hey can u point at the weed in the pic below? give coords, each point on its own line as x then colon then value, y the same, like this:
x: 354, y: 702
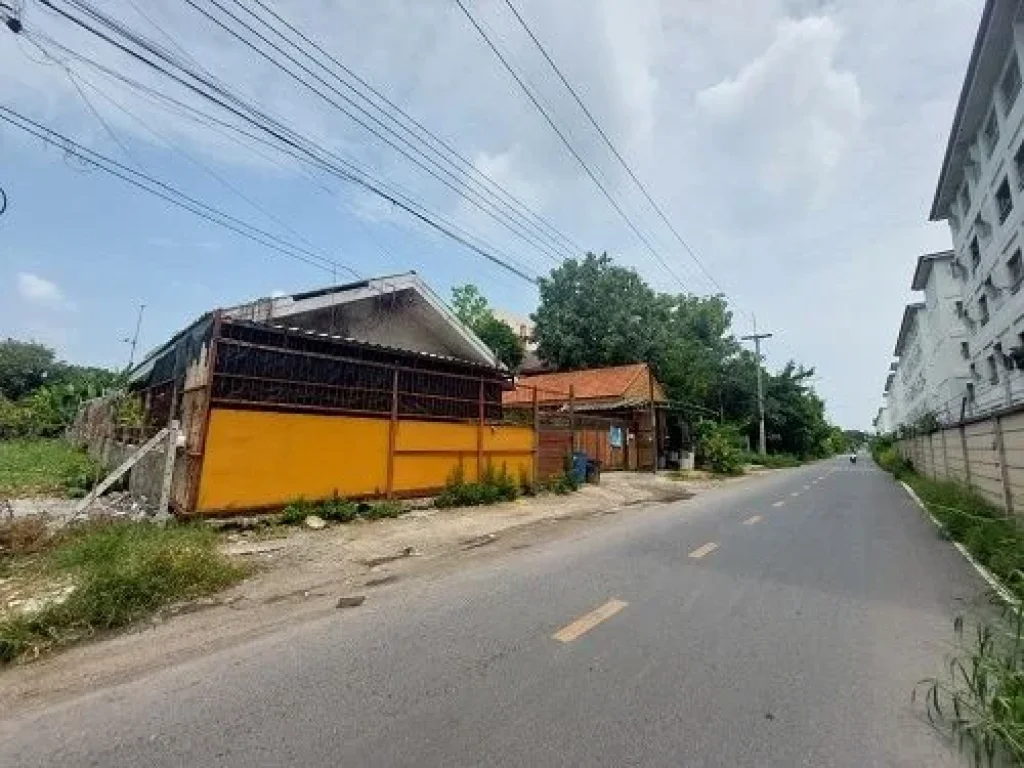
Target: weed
x: 296, y: 512
x: 23, y: 535
x: 337, y: 510
x: 381, y: 510
x: 980, y: 700
x: 122, y: 572
x: 493, y: 486
x: 37, y: 467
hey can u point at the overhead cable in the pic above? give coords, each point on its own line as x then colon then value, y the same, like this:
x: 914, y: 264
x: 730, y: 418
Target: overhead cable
x: 568, y: 145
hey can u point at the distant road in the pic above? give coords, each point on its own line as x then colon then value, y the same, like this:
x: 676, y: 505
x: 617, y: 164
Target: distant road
x: 777, y: 622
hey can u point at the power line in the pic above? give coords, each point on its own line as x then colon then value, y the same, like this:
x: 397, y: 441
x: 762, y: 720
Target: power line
x: 382, y: 132
x: 568, y: 145
x: 297, y: 146
x: 166, y: 191
x: 423, y: 130
x: 611, y: 146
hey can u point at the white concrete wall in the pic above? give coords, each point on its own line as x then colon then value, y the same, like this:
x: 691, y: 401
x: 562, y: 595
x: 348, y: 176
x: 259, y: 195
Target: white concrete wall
x: 1006, y: 307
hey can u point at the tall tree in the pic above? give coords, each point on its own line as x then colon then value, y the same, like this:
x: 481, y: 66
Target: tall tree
x: 594, y: 313
x: 471, y: 308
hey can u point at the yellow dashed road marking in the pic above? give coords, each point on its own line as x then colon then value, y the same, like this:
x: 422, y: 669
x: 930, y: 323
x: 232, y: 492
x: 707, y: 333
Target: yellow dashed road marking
x: 778, y: 503
x: 707, y: 549
x: 752, y: 520
x: 588, y: 621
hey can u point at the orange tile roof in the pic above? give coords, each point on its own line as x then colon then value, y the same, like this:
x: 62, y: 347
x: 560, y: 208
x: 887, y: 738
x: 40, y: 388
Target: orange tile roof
x: 587, y: 384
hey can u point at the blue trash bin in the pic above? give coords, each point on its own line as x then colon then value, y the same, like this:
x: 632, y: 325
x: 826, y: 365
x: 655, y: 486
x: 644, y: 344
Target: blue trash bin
x: 579, y: 466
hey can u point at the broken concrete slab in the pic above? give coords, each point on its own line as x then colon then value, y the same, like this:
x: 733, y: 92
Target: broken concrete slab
x: 315, y: 522
x: 480, y: 541
x: 351, y: 602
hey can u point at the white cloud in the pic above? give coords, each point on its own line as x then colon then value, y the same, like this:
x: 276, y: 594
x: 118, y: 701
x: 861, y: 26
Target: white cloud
x: 39, y: 291
x: 790, y: 113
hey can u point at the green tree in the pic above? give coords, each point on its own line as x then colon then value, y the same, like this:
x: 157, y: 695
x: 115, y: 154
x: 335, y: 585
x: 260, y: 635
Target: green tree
x: 24, y: 366
x: 471, y: 308
x: 593, y: 313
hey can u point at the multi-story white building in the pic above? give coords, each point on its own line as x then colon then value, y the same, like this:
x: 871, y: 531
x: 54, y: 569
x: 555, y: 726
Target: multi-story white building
x: 961, y: 351
x: 929, y: 376
x: 981, y: 195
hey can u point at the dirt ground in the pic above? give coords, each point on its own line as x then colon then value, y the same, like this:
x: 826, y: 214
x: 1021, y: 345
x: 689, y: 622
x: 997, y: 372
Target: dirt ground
x: 302, y: 574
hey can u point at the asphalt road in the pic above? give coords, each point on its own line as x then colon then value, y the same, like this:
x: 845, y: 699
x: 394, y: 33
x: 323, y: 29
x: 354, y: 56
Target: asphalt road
x: 778, y: 622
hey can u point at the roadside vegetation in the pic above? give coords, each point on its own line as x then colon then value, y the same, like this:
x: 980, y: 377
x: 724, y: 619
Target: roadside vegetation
x: 45, y: 467
x: 101, y: 576
x: 497, y: 485
x: 339, y: 510
x: 979, y: 701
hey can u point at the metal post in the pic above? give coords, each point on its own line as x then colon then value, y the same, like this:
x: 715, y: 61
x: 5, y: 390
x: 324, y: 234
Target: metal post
x: 654, y: 422
x: 1004, y: 473
x: 169, y: 462
x: 536, y: 438
x: 572, y: 414
x: 389, y: 489
x: 480, y: 434
x: 756, y: 338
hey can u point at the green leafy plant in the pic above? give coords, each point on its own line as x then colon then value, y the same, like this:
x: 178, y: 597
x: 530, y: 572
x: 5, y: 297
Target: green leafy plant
x: 296, y: 512
x: 492, y: 487
x: 718, y: 448
x: 979, y: 702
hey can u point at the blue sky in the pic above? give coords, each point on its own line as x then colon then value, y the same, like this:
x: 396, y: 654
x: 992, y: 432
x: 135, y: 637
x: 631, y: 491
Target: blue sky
x: 794, y: 143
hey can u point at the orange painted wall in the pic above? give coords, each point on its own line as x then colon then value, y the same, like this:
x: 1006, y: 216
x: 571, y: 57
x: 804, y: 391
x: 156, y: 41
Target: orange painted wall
x: 265, y: 458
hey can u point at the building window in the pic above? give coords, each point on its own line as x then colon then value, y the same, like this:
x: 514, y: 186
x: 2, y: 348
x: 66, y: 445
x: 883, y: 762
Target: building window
x: 1010, y: 85
x: 983, y: 309
x: 993, y: 370
x: 990, y: 133
x: 965, y: 350
x: 1018, y: 160
x: 970, y: 393
x: 1015, y: 270
x: 975, y: 254
x: 1004, y: 203
x: 974, y: 370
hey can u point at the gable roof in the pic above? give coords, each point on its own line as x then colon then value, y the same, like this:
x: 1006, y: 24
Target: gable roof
x: 909, y: 312
x: 993, y: 42
x: 428, y: 311
x: 621, y: 384
x: 924, y: 268
x: 432, y: 311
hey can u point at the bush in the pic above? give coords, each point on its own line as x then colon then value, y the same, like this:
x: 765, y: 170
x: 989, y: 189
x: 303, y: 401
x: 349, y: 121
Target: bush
x: 493, y: 486
x: 122, y: 572
x: 297, y: 512
x: 720, y: 452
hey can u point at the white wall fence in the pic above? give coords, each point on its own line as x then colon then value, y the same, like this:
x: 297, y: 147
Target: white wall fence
x: 985, y: 454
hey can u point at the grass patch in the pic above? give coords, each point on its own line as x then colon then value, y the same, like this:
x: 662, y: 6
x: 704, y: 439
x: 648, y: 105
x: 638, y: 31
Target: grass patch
x: 122, y: 572
x: 40, y: 467
x: 771, y: 460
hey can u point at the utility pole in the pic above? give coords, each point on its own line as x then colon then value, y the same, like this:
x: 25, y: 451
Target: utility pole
x: 756, y: 338
x: 134, y: 340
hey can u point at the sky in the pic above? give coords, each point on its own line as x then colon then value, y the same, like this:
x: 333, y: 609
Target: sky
x: 794, y: 144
